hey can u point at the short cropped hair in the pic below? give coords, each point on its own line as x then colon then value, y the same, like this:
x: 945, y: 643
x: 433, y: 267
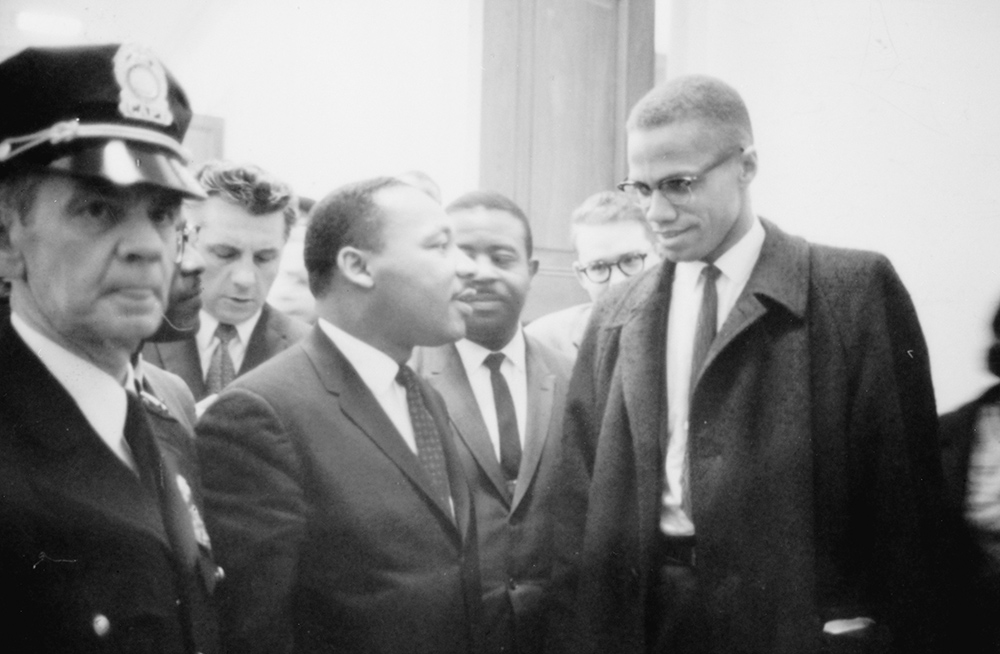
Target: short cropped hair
x: 18, y: 192
x: 250, y: 187
x: 605, y: 208
x: 694, y: 97
x: 348, y: 216
x: 496, y: 201
x: 993, y: 355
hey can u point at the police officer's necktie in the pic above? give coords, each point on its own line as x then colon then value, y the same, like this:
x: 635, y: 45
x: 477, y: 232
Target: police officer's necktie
x: 425, y: 432
x: 220, y: 368
x: 707, y: 318
x: 510, y: 443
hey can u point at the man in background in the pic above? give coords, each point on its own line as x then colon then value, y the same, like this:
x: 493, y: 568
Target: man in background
x: 242, y: 228
x: 613, y: 243
x: 335, y: 496
x: 756, y: 419
x: 505, y: 393
x: 103, y: 548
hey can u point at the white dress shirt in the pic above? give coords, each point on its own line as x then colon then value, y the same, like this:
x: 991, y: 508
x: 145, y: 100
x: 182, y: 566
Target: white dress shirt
x: 378, y: 371
x: 208, y: 341
x: 735, y: 264
x: 515, y: 373
x: 100, y: 397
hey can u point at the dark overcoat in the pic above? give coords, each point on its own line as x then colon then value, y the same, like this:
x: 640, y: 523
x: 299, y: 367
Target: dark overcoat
x: 815, y: 481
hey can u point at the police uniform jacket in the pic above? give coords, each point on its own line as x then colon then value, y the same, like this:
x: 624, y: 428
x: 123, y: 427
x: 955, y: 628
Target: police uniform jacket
x: 87, y: 563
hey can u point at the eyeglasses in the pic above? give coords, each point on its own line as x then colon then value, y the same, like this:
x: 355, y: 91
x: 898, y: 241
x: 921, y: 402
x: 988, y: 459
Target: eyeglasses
x: 187, y: 235
x: 600, y: 271
x: 678, y: 191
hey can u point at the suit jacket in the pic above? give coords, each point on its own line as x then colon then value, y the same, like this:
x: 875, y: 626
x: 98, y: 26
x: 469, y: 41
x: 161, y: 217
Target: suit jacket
x: 273, y: 333
x: 88, y: 562
x: 977, y: 577
x: 325, y: 521
x: 814, y: 477
x: 515, y: 533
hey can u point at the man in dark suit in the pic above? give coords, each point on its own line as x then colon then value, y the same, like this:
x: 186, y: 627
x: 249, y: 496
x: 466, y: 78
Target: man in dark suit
x: 756, y: 420
x: 241, y: 230
x: 506, y: 394
x: 103, y: 546
x: 335, y: 496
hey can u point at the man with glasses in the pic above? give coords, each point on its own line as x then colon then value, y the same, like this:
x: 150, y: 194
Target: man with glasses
x: 756, y: 420
x: 103, y: 546
x: 613, y: 243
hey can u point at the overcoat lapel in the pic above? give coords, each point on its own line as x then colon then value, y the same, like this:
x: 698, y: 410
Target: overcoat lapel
x: 445, y: 370
x: 642, y: 357
x: 360, y: 407
x: 779, y: 279
x: 541, y: 394
x: 264, y: 341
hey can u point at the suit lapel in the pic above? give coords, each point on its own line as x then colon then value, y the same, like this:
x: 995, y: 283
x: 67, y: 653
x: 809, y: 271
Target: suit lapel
x: 541, y: 394
x: 445, y: 371
x: 360, y: 407
x: 182, y: 359
x: 261, y: 342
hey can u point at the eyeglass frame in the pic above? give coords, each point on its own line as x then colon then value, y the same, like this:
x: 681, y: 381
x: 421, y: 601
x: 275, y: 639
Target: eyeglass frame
x: 187, y: 234
x: 643, y: 193
x: 608, y: 265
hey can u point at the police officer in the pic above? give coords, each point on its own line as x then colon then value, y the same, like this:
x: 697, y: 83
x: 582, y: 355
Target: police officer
x: 102, y: 546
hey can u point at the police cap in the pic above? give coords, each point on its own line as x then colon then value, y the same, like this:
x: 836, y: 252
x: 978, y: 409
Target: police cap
x: 110, y: 111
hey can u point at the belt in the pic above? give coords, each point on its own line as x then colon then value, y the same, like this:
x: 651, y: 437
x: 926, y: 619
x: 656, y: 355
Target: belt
x: 675, y: 550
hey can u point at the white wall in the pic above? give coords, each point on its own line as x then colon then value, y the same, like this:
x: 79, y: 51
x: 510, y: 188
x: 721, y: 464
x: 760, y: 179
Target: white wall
x: 320, y: 92
x: 878, y: 127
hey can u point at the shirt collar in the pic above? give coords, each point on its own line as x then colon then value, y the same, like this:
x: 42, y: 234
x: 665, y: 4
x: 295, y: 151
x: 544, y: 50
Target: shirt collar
x: 100, y: 397
x: 209, y: 323
x: 376, y: 368
x: 736, y: 263
x: 473, y: 354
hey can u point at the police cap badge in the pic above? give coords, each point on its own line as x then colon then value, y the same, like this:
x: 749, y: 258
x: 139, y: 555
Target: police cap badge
x: 110, y: 111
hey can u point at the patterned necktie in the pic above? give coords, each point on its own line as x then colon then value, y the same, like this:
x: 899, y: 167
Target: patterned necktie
x: 425, y: 432
x: 220, y: 369
x: 510, y: 443
x: 707, y: 319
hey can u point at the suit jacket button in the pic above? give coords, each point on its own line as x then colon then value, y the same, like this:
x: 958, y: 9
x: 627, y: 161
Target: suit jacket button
x: 220, y: 574
x: 101, y: 624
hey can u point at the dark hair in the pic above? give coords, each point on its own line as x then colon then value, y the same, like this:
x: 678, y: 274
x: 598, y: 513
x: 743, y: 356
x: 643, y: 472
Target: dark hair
x: 694, y: 97
x: 250, y: 187
x: 993, y: 355
x: 348, y: 216
x: 18, y: 191
x: 498, y: 202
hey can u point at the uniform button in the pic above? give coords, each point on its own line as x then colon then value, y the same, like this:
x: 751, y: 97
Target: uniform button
x: 101, y: 624
x: 220, y: 574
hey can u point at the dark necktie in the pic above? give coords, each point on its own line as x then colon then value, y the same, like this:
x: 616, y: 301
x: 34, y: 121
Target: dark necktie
x: 220, y: 368
x: 707, y: 318
x: 510, y: 444
x: 425, y: 432
x: 153, y: 475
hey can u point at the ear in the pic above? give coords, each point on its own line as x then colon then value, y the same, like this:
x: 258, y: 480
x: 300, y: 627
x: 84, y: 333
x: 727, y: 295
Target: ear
x: 11, y: 262
x: 353, y: 265
x: 532, y: 268
x: 748, y: 160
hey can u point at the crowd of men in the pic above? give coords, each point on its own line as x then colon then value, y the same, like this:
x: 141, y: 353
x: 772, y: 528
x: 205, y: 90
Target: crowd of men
x: 732, y: 448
